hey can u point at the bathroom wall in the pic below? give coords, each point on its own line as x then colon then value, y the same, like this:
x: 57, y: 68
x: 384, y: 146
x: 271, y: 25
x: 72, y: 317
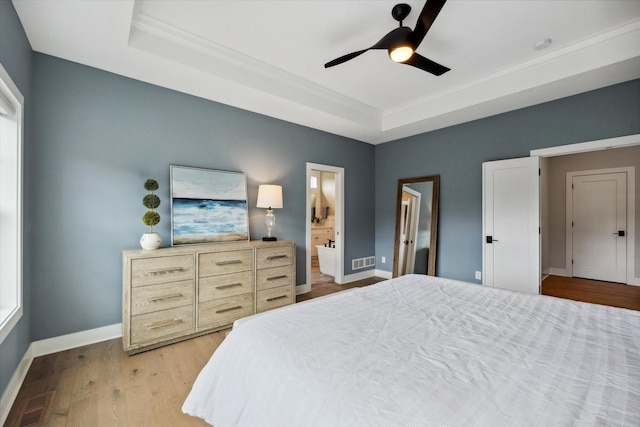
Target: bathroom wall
x: 328, y: 186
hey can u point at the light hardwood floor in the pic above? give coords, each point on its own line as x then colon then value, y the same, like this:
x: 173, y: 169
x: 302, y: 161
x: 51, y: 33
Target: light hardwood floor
x: 99, y: 385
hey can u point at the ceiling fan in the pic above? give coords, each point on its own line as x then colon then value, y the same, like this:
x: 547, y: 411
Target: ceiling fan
x: 402, y: 42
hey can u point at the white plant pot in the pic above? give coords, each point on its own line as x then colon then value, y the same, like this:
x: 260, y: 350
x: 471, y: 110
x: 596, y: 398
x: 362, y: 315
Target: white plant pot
x: 150, y: 241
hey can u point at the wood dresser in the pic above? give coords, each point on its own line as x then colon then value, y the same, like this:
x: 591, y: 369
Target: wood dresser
x: 172, y: 294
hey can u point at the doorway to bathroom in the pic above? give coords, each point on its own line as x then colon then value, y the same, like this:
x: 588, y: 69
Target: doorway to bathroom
x: 324, y: 219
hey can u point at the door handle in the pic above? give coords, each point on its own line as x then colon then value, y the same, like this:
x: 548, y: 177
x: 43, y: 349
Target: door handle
x: 490, y: 239
x: 619, y: 233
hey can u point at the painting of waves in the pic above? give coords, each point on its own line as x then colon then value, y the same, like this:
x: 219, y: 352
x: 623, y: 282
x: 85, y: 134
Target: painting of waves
x: 208, y: 206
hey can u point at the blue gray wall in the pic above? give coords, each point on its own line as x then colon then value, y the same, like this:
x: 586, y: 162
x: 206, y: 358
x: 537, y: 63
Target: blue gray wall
x: 92, y: 138
x: 97, y: 136
x: 456, y: 154
x: 15, y: 56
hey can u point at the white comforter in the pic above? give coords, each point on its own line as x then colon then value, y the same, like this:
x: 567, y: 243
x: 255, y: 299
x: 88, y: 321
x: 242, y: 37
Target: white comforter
x: 419, y: 350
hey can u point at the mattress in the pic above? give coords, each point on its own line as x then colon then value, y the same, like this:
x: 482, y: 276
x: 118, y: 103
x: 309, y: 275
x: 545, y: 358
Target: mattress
x: 420, y: 350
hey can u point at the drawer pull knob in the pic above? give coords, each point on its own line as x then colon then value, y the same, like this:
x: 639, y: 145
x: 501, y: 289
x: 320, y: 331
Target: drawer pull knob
x: 272, y: 257
x: 276, y: 278
x: 164, y: 297
x: 233, y: 285
x: 276, y: 298
x: 165, y: 323
x: 224, y: 310
x: 235, y: 261
x: 166, y: 270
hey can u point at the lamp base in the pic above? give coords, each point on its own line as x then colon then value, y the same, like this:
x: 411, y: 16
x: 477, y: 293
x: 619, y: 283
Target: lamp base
x: 270, y: 239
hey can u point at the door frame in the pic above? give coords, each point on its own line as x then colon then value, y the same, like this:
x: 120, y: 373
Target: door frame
x: 596, y: 145
x: 631, y: 212
x: 339, y: 224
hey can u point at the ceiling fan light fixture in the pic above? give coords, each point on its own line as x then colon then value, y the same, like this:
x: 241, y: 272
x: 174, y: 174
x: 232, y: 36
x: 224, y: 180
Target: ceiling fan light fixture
x: 400, y: 53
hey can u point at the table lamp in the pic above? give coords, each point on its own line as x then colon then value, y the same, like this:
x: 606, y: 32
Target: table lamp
x: 269, y: 196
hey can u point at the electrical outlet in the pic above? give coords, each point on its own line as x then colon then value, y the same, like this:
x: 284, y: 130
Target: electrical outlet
x: 383, y: 259
x: 478, y: 275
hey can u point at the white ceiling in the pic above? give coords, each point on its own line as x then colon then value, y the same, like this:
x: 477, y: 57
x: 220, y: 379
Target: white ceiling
x: 269, y: 56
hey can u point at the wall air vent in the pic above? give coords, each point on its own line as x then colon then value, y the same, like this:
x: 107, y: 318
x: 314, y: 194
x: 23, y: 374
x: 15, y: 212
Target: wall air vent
x: 357, y: 264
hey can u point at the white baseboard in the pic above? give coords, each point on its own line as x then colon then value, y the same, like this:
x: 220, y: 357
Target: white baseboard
x: 358, y: 276
x: 11, y: 392
x: 48, y: 346
x: 635, y: 281
x: 78, y: 339
x: 303, y: 289
x: 557, y: 271
x: 384, y: 274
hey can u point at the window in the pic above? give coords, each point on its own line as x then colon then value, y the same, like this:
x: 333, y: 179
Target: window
x: 11, y: 130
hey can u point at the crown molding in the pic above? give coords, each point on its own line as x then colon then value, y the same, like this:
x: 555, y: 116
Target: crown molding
x: 175, y: 44
x: 615, y: 46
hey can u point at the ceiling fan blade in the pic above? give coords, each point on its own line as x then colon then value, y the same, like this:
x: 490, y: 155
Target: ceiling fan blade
x: 426, y: 64
x: 429, y: 14
x: 344, y: 58
x: 390, y: 39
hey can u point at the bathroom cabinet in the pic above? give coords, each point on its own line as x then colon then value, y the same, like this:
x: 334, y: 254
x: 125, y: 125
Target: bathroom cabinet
x: 176, y: 293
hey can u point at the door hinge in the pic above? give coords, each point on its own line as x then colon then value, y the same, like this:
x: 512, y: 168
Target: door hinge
x: 572, y: 223
x: 572, y: 186
x: 539, y: 172
x: 539, y: 230
x: 571, y: 262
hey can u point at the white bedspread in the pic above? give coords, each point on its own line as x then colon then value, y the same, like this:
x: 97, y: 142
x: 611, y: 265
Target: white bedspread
x: 419, y: 350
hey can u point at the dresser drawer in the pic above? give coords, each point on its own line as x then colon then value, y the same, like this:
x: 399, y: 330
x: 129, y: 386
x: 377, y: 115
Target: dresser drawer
x: 226, y: 285
x: 268, y: 278
x: 214, y: 263
x: 156, y: 270
x: 274, y: 256
x: 274, y: 298
x: 223, y: 312
x: 161, y: 324
x: 146, y: 299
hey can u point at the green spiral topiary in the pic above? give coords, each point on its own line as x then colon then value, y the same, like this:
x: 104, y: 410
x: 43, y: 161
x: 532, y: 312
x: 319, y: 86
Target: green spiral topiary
x: 151, y: 202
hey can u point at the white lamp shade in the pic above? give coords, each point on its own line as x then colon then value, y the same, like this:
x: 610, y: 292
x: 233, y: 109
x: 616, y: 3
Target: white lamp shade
x: 269, y: 196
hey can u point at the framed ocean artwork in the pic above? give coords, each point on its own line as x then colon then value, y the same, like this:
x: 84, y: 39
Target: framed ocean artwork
x: 208, y: 206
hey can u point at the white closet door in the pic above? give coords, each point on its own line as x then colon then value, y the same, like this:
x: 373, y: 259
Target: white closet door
x: 599, y: 224
x: 511, y: 221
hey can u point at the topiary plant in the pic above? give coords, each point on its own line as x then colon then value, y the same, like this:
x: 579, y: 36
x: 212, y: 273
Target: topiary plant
x: 151, y: 202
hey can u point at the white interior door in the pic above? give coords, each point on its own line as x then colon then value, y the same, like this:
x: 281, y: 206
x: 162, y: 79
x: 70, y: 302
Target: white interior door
x: 511, y: 224
x: 599, y: 222
x: 402, y: 248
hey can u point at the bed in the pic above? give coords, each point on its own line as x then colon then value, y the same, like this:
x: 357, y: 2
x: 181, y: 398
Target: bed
x: 421, y: 350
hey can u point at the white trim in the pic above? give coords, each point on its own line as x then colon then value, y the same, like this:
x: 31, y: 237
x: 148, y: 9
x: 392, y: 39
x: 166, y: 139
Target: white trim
x: 631, y: 216
x: 78, y: 339
x: 383, y: 274
x: 553, y: 271
x: 339, y: 219
x: 583, y: 147
x: 11, y: 392
x: 303, y: 289
x: 11, y: 247
x: 354, y: 277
